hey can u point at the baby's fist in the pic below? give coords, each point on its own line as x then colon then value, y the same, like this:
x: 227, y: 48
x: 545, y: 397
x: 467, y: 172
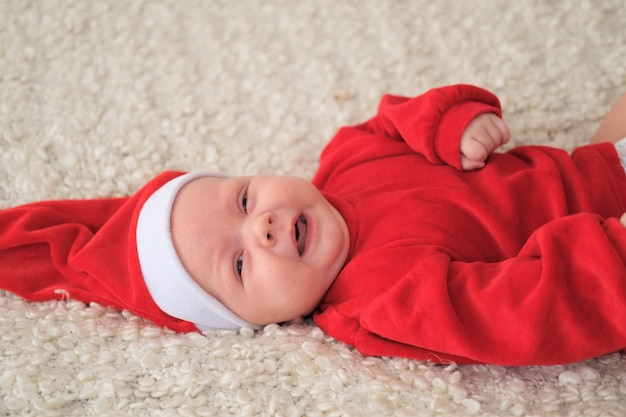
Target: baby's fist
x: 483, y: 135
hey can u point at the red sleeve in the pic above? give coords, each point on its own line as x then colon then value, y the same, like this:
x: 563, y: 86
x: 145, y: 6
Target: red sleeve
x: 562, y: 299
x: 432, y: 123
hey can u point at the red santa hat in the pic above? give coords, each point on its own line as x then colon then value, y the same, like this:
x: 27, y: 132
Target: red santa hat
x: 117, y: 252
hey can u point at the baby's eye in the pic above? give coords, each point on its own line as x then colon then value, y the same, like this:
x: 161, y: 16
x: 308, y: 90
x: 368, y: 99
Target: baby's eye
x: 239, y: 265
x: 244, y: 202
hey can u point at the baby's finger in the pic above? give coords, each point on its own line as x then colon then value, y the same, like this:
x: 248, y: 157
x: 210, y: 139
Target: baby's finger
x: 469, y: 165
x: 474, y: 148
x: 495, y: 133
x: 504, y: 132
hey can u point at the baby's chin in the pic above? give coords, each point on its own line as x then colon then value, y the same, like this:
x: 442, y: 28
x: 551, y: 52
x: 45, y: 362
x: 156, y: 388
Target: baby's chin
x: 297, y: 320
x: 283, y: 318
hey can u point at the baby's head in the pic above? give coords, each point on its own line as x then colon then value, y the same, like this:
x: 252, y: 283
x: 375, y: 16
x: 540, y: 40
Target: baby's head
x: 265, y: 247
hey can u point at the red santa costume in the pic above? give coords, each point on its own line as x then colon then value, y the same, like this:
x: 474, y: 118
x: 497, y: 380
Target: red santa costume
x: 117, y: 252
x: 519, y: 263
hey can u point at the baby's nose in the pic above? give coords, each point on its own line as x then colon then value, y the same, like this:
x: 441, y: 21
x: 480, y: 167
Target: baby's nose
x: 264, y: 229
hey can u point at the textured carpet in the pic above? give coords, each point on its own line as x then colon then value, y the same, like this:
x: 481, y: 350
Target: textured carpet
x: 97, y: 97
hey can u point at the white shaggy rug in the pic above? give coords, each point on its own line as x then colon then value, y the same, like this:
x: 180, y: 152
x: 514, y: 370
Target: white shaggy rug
x: 96, y: 97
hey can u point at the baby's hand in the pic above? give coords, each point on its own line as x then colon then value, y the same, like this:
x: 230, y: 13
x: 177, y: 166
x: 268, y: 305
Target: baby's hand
x: 482, y: 136
x: 622, y: 220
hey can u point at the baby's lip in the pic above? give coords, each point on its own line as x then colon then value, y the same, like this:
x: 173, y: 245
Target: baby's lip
x: 301, y: 231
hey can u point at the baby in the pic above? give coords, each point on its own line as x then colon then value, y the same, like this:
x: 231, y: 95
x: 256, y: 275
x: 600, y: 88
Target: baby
x: 414, y: 239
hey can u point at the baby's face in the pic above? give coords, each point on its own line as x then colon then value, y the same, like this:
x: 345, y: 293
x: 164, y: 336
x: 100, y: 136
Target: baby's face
x: 267, y: 247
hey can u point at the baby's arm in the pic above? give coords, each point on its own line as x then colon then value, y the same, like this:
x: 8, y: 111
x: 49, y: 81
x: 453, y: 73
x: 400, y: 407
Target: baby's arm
x: 432, y: 123
x: 481, y: 138
x: 539, y: 307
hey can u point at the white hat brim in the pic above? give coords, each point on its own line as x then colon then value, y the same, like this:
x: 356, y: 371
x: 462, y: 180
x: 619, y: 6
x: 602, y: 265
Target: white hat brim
x: 169, y: 283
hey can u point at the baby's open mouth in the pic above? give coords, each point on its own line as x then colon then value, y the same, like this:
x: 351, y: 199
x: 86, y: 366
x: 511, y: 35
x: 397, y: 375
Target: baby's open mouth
x: 301, y: 232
